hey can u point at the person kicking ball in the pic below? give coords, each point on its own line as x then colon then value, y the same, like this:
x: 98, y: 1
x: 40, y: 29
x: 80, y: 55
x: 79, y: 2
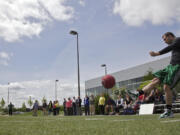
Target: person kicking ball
x: 166, y: 75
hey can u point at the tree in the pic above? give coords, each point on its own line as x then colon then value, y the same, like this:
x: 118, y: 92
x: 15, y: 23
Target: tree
x: 2, y: 102
x: 23, y: 106
x: 118, y: 91
x: 44, y: 100
x: 30, y: 102
x: 148, y: 76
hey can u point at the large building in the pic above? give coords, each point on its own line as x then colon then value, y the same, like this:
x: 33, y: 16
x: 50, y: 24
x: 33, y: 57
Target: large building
x: 129, y: 78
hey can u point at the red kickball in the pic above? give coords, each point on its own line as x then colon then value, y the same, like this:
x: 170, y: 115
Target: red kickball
x: 108, y: 81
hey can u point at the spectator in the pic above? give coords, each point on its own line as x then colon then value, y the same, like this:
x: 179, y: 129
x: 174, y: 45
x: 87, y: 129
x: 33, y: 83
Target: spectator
x: 44, y: 107
x: 35, y: 108
x: 78, y: 106
x: 69, y: 106
x: 151, y: 97
x: 92, y: 105
x: 128, y: 105
x: 110, y: 105
x: 74, y: 106
x: 101, y: 104
x: 64, y: 107
x: 54, y: 108
x: 86, y: 105
x: 140, y: 99
x: 57, y: 107
x: 50, y: 107
x: 119, y: 104
x: 158, y: 96
x: 10, y: 109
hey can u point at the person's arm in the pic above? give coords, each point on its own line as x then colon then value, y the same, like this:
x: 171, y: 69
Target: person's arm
x: 175, y: 44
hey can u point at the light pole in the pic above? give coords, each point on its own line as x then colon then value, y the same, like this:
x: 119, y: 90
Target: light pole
x: 8, y: 94
x: 56, y: 89
x: 76, y: 33
x: 105, y: 67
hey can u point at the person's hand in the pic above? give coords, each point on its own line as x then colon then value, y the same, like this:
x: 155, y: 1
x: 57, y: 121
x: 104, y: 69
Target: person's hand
x: 153, y: 53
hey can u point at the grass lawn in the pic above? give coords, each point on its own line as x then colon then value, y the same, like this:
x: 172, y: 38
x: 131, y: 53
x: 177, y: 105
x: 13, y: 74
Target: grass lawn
x: 91, y: 125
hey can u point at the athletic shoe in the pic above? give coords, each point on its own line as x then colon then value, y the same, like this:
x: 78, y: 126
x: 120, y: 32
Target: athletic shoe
x: 167, y: 114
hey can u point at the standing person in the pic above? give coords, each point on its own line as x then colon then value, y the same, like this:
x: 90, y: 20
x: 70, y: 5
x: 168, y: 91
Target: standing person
x: 50, y: 107
x: 78, y: 106
x: 69, y: 106
x: 57, y: 107
x: 74, y: 105
x: 64, y: 107
x: 101, y: 104
x: 35, y: 108
x: 92, y: 105
x: 86, y: 105
x: 44, y: 107
x: 10, y: 109
x: 54, y: 108
x: 166, y: 75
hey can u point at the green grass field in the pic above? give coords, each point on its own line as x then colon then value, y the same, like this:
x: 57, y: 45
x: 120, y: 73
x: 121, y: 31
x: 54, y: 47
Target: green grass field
x: 91, y: 125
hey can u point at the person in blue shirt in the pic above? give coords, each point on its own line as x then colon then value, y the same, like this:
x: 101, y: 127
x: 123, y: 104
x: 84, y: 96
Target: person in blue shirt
x: 86, y: 105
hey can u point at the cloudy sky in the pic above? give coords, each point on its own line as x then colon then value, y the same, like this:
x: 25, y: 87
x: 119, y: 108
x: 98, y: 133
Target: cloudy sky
x: 36, y: 47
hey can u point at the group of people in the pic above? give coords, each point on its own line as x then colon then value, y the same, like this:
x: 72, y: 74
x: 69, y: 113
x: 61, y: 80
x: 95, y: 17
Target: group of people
x: 73, y: 106
x: 48, y: 109
x: 127, y: 105
x: 106, y: 106
x: 155, y: 96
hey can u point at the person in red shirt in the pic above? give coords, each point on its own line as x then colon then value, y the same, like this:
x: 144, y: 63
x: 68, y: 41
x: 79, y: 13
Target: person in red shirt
x: 69, y: 106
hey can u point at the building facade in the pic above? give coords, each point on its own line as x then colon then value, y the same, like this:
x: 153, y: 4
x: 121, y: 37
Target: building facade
x: 129, y: 78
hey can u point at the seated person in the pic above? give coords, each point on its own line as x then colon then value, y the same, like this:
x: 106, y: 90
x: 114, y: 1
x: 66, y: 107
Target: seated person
x: 158, y: 97
x: 119, y: 104
x: 110, y: 105
x: 128, y: 105
x: 140, y: 99
x: 151, y: 97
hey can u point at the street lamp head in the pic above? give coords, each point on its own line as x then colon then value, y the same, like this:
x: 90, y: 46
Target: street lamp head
x: 73, y: 32
x: 57, y: 80
x: 103, y: 65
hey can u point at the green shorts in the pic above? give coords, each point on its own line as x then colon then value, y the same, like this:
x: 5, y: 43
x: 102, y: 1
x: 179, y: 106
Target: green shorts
x: 167, y: 74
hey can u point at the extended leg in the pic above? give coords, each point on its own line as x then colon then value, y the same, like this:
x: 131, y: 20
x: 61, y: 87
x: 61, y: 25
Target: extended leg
x: 151, y: 85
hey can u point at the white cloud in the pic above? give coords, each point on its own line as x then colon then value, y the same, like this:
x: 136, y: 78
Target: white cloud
x: 82, y: 2
x: 136, y: 12
x: 20, y: 18
x: 37, y: 89
x: 4, y: 58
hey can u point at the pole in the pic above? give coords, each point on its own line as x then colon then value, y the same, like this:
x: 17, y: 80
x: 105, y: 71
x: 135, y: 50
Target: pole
x: 8, y: 94
x: 56, y: 89
x: 78, y: 66
x: 105, y: 70
x: 76, y: 33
